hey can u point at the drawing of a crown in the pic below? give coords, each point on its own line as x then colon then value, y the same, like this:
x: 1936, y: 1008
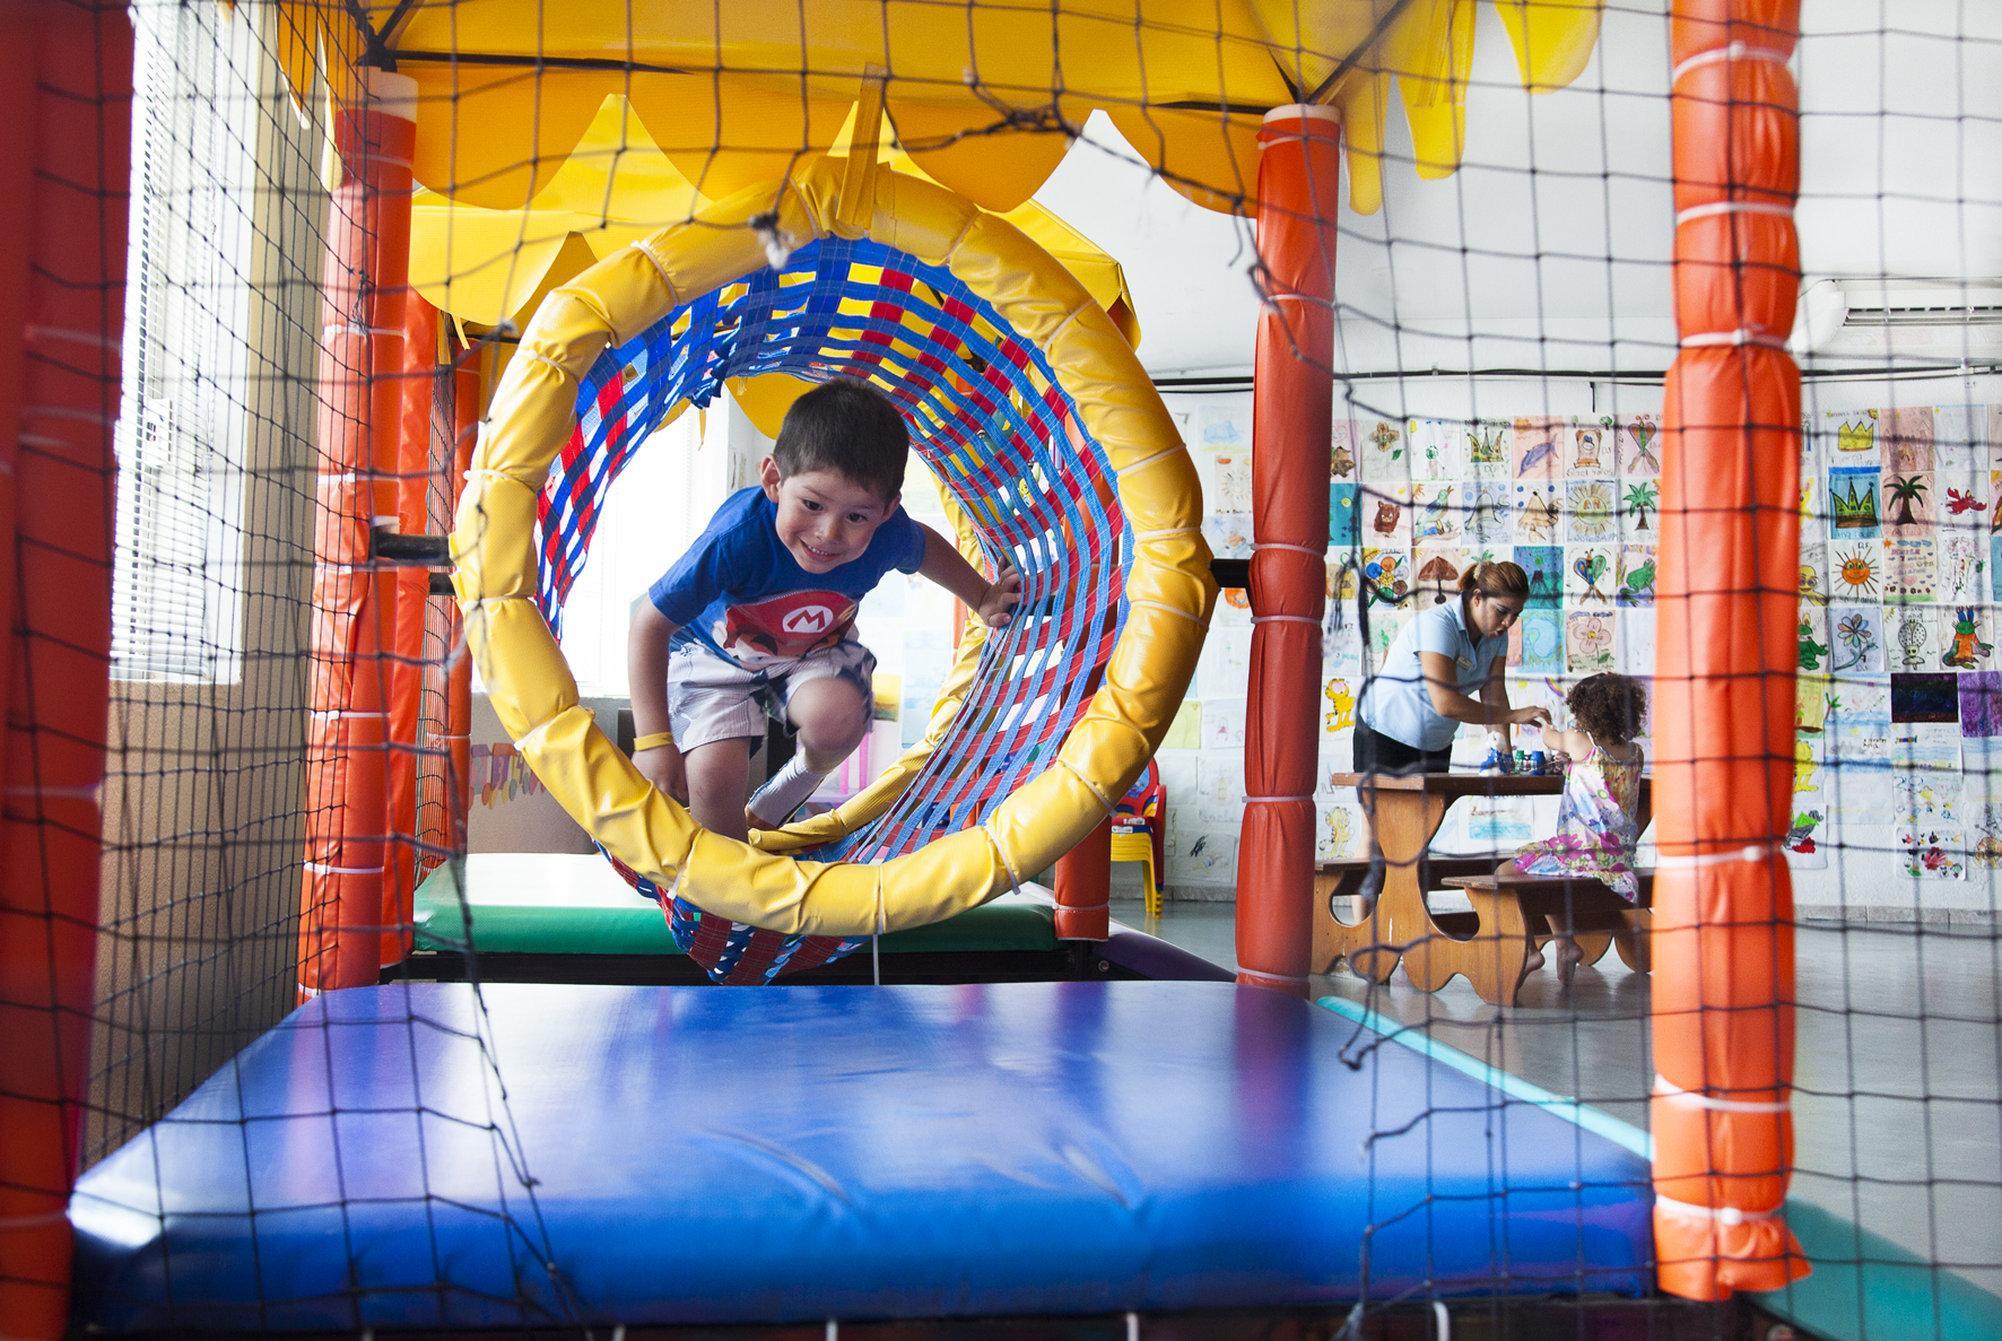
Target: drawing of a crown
x: 1854, y: 511
x: 1860, y: 436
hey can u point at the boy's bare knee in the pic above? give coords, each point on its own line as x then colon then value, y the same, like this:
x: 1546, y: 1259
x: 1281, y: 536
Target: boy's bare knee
x: 830, y: 715
x: 719, y: 782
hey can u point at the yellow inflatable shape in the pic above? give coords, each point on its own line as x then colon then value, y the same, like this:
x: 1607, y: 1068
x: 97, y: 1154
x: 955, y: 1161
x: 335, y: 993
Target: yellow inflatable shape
x: 985, y: 94
x: 1169, y: 587
x: 488, y: 266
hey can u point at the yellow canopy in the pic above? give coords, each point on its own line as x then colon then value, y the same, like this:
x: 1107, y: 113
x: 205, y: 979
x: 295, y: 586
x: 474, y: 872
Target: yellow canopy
x: 489, y: 266
x: 985, y: 94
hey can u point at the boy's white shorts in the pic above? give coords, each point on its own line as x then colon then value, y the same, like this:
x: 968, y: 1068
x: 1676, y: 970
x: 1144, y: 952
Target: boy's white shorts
x: 710, y: 698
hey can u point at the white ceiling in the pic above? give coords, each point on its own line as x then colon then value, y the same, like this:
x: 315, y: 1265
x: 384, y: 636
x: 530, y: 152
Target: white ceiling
x: 1566, y: 266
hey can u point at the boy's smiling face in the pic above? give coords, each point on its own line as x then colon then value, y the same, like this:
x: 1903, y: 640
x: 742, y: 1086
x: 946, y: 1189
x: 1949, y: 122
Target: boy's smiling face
x: 824, y: 518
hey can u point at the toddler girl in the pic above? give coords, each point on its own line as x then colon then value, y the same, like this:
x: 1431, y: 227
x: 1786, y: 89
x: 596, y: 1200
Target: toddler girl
x: 1596, y: 828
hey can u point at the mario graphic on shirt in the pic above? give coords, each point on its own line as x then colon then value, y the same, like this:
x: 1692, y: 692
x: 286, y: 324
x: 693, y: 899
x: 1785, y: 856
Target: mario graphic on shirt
x: 785, y: 627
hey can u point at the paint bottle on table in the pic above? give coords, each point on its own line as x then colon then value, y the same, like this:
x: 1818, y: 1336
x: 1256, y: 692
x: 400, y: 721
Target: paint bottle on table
x: 1539, y: 763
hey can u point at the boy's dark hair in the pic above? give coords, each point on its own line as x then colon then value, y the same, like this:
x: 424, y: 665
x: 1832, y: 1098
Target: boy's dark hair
x: 1611, y: 708
x: 846, y: 426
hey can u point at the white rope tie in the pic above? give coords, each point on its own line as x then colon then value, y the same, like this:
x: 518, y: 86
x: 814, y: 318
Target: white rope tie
x: 1273, y: 800
x: 73, y: 335
x: 1286, y: 619
x: 334, y: 328
x: 524, y: 352
x: 1667, y: 1089
x: 1107, y: 802
x: 8, y: 1222
x: 335, y: 714
x: 1308, y: 550
x: 1765, y: 207
x: 1726, y: 1215
x: 1735, y: 51
x: 322, y: 868
x: 1147, y: 461
x: 1166, y: 608
x: 84, y: 792
x: 1691, y: 861
x: 69, y: 412
x: 1014, y: 876
x: 1744, y: 335
x: 673, y: 294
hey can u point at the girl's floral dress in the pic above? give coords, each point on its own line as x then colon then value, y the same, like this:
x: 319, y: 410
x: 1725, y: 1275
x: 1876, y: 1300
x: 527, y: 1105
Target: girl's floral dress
x: 1595, y: 826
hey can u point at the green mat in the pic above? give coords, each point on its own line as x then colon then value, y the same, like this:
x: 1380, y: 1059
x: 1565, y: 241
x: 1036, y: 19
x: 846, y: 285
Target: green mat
x: 569, y: 904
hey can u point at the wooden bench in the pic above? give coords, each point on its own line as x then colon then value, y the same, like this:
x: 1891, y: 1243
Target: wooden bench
x: 1343, y: 879
x: 1514, y: 913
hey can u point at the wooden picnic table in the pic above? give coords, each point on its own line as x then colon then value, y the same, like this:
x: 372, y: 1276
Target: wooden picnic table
x: 1404, y: 812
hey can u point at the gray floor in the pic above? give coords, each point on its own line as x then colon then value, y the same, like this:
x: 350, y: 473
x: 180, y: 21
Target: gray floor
x: 1897, y: 1107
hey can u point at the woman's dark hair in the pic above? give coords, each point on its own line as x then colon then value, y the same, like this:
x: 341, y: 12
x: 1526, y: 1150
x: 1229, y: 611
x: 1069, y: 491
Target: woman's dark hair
x: 1610, y: 708
x: 849, y: 427
x: 1497, y: 578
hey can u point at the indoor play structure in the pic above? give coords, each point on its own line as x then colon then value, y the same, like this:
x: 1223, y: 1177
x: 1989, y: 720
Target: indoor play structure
x: 397, y: 1154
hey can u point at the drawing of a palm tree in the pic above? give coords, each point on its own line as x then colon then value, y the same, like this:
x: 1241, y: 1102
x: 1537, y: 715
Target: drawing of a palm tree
x: 1906, y: 492
x: 1643, y: 499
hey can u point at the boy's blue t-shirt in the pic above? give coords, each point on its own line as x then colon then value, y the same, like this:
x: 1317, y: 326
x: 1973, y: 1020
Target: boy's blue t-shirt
x: 739, y: 592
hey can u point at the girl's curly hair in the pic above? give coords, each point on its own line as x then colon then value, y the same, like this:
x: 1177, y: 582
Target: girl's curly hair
x: 1612, y: 708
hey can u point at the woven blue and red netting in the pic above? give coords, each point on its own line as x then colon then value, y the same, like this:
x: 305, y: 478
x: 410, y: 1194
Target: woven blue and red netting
x: 987, y: 416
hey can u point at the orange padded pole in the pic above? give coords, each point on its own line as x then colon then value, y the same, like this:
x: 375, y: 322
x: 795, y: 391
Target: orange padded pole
x: 1726, y: 653
x: 1291, y: 411
x: 1084, y: 887
x: 410, y: 588
x: 467, y: 390
x: 360, y: 390
x: 65, y: 181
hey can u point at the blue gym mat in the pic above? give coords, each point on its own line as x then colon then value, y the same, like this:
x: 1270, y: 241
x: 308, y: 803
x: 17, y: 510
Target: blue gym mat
x: 694, y: 1154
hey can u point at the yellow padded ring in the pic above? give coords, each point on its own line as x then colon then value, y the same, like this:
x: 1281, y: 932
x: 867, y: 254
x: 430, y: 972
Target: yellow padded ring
x: 535, y: 696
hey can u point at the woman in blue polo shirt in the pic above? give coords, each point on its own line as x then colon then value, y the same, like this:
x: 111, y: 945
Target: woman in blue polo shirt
x: 1427, y: 684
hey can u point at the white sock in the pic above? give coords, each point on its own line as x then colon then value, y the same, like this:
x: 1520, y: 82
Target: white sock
x: 784, y: 792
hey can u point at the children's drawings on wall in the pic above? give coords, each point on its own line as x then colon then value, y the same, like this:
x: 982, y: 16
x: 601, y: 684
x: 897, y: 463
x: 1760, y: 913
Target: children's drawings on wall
x: 1489, y: 443
x: 1539, y: 512
x: 1538, y: 449
x: 500, y: 774
x: 1340, y: 835
x: 1588, y: 507
x: 1220, y: 787
x: 1981, y: 704
x: 1849, y: 437
x: 1439, y: 568
x: 1963, y: 568
x: 1905, y: 435
x: 1537, y: 647
x: 1804, y: 848
x: 1202, y: 856
x: 1588, y: 641
x: 1639, y: 453
x: 1911, y: 571
x: 1438, y: 449
x: 1339, y: 702
x: 1228, y: 534
x: 1965, y: 634
x: 1342, y: 455
x: 1899, y: 575
x: 1857, y: 632
x: 1853, y: 513
x: 1909, y: 513
x: 1589, y: 574
x: 1932, y: 852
